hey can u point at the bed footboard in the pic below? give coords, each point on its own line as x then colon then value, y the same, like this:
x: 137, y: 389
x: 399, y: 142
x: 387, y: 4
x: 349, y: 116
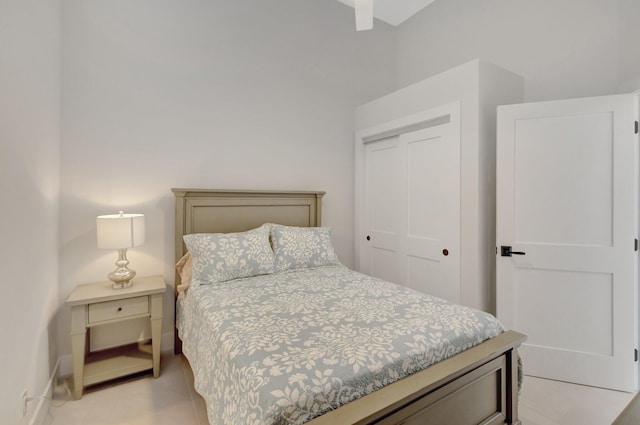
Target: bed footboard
x: 477, y: 386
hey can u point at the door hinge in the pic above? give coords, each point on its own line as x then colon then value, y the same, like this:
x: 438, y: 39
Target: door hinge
x: 635, y: 355
x: 635, y: 244
x: 636, y: 127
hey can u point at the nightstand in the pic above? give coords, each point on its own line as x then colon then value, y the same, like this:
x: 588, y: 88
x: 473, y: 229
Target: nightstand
x: 96, y: 304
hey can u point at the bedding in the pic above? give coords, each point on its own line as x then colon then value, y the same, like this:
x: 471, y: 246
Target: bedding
x: 220, y: 257
x: 184, y: 267
x: 287, y: 347
x: 302, y: 247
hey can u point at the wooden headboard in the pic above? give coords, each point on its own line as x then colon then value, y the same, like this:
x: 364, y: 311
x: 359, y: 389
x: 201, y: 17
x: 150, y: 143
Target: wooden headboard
x: 224, y: 211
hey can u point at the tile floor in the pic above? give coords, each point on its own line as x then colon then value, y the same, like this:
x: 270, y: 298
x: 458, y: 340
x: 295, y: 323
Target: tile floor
x: 171, y: 399
x: 140, y: 400
x: 546, y: 402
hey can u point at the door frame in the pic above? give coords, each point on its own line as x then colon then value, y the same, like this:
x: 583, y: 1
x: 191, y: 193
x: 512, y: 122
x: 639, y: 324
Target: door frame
x: 379, y: 132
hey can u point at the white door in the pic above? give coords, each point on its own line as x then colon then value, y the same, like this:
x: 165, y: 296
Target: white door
x: 412, y: 209
x: 567, y: 197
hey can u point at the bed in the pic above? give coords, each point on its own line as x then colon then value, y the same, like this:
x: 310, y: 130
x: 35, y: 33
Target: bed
x: 476, y: 385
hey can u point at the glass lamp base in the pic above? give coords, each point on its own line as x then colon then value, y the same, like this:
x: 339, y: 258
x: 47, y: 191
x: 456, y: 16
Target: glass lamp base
x: 121, y: 277
x: 121, y: 285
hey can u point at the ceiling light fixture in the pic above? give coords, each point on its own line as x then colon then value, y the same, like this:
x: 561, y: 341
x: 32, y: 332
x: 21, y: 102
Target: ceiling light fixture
x: 364, y: 14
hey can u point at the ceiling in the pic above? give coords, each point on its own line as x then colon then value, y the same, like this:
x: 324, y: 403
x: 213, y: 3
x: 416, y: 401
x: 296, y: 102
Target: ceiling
x: 394, y: 12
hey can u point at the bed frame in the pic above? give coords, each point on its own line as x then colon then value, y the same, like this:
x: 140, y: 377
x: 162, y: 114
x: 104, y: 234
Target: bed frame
x: 477, y: 386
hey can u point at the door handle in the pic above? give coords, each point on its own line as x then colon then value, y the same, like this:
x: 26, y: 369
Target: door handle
x: 505, y: 251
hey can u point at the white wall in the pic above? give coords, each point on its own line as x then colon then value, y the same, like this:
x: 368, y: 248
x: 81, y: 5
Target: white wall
x: 160, y: 94
x: 563, y: 49
x: 29, y: 183
x: 478, y: 87
x: 236, y: 94
x: 629, y: 33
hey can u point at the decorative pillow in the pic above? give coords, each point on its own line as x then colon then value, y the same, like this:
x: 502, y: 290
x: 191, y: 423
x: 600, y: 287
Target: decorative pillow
x: 219, y: 257
x: 184, y: 266
x: 302, y: 247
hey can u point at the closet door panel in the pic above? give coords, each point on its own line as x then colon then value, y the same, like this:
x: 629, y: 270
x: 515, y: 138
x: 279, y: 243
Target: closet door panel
x: 433, y: 219
x: 383, y: 178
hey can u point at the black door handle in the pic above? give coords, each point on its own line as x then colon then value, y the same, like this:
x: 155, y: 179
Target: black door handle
x: 505, y: 251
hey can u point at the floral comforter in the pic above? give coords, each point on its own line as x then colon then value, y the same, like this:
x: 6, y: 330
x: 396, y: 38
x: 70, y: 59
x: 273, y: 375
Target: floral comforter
x: 288, y: 347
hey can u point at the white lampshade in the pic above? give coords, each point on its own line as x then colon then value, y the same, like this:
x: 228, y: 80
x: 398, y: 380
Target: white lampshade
x: 118, y: 231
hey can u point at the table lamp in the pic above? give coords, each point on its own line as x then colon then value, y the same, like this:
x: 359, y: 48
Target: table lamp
x: 120, y: 231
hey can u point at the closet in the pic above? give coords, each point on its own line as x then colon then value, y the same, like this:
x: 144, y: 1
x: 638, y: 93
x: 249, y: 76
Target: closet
x: 425, y: 183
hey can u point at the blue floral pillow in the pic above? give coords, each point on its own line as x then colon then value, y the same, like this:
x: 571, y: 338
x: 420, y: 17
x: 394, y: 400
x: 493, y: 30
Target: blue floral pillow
x: 220, y: 257
x: 302, y: 247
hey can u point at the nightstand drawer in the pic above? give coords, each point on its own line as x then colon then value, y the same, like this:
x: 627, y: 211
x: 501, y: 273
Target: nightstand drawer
x: 118, y: 309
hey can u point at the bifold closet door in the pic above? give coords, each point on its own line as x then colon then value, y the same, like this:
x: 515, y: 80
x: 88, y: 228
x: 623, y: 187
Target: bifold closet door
x: 412, y: 210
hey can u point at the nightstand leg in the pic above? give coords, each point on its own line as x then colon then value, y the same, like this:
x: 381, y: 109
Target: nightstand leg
x: 156, y: 342
x: 156, y: 331
x: 78, y: 342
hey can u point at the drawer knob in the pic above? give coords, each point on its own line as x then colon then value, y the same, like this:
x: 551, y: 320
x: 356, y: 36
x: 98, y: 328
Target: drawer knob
x: 119, y: 309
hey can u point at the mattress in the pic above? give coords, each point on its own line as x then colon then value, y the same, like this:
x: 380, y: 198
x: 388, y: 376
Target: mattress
x: 287, y: 347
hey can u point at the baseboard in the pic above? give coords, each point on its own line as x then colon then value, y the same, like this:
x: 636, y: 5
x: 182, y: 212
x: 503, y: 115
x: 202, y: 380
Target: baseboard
x: 44, y: 400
